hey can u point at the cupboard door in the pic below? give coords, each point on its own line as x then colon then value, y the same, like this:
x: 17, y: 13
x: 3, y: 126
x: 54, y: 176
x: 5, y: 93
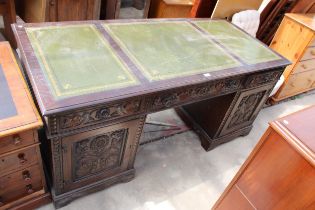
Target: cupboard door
x: 99, y: 154
x: 246, y: 109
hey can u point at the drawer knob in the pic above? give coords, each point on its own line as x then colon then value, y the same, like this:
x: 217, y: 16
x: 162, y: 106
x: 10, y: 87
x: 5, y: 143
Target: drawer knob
x: 304, y: 66
x: 1, y: 201
x: 29, y: 189
x: 26, y: 176
x: 52, y: 3
x: 312, y: 52
x: 17, y: 139
x: 21, y: 157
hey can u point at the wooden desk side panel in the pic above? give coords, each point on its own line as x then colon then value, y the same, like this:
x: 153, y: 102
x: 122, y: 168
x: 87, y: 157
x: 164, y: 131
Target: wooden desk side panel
x: 247, y: 162
x: 275, y: 176
x: 279, y: 177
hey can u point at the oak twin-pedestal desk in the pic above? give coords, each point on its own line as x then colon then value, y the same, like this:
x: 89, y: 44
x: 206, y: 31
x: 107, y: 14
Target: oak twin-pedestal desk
x: 95, y: 82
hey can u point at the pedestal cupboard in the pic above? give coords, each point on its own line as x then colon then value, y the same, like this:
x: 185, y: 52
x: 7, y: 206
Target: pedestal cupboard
x: 295, y: 39
x: 22, y: 180
x: 97, y: 83
x: 280, y: 172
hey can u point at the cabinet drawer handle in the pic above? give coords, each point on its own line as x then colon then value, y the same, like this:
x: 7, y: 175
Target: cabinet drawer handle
x: 26, y: 176
x: 1, y: 201
x: 312, y: 52
x: 29, y: 189
x: 304, y: 66
x: 17, y: 139
x: 22, y: 158
x: 52, y: 3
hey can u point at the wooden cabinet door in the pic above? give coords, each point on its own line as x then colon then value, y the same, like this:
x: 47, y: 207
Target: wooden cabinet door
x: 71, y: 10
x: 98, y: 154
x: 246, y: 109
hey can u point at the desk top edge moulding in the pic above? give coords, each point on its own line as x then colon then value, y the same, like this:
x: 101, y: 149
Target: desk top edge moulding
x: 138, y: 71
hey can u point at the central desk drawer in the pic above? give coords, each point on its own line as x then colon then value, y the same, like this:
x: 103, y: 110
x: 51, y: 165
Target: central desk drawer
x: 19, y: 184
x: 17, y: 141
x: 16, y: 160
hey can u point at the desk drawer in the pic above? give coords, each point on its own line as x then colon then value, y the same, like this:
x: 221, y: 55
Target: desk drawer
x: 19, y: 184
x: 298, y: 83
x: 309, y: 54
x: 304, y: 66
x: 17, y: 141
x: 19, y: 159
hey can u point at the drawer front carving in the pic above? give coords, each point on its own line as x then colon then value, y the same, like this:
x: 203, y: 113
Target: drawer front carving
x: 19, y: 184
x: 180, y: 96
x: 262, y: 79
x: 298, y: 83
x: 309, y: 54
x: 17, y: 160
x: 304, y: 66
x: 99, y: 153
x: 91, y: 116
x: 17, y: 141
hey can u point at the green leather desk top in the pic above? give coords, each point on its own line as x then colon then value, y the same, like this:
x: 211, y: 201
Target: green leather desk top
x: 76, y: 60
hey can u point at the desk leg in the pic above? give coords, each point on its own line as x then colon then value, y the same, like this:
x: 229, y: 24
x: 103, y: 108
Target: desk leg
x: 222, y: 119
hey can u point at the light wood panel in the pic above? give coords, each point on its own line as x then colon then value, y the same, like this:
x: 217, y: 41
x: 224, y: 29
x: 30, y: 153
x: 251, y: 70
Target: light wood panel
x: 170, y: 8
x: 279, y: 173
x: 294, y: 39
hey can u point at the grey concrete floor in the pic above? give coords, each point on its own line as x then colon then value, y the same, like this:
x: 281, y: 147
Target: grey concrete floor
x: 177, y: 174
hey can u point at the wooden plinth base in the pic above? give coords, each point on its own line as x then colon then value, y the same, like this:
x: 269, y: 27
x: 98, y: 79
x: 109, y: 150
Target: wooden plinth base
x: 66, y: 198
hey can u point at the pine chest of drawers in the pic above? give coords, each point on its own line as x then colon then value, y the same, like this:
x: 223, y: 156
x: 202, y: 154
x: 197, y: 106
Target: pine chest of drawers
x: 295, y: 39
x: 22, y: 181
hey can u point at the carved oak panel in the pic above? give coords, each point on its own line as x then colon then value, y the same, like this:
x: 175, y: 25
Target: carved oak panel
x: 245, y: 109
x: 262, y: 78
x: 92, y: 116
x: 182, y: 95
x: 99, y: 153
